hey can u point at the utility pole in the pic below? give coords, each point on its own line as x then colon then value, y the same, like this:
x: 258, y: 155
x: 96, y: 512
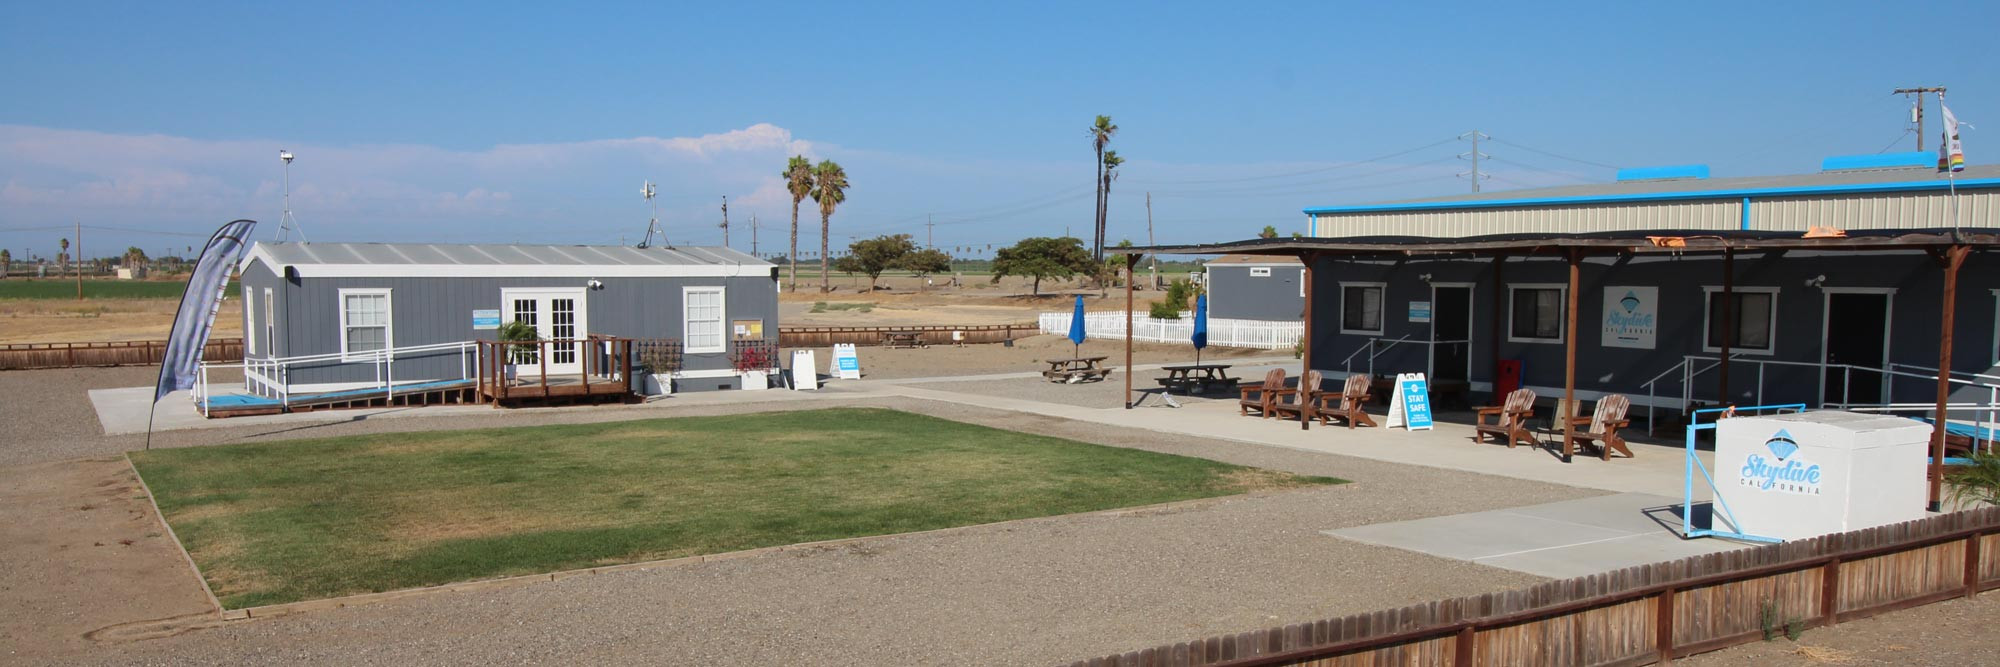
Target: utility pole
x: 725, y: 220
x: 928, y: 226
x: 1474, y: 155
x: 753, y: 235
x: 1154, y: 281
x: 1917, y: 112
x: 79, y: 254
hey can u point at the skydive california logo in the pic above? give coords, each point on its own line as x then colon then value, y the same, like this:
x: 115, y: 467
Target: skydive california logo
x: 1787, y: 474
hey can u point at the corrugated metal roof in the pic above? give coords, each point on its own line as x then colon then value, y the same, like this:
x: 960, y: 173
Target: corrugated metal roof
x: 1834, y: 182
x: 1251, y: 259
x: 435, y: 254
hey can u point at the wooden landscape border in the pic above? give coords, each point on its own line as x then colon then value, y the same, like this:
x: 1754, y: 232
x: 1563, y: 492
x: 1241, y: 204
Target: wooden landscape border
x: 1641, y: 615
x: 26, y: 356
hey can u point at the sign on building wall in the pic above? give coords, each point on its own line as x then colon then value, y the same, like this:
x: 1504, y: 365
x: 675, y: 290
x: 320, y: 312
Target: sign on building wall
x: 1631, y: 317
x: 485, y: 319
x: 1420, y: 311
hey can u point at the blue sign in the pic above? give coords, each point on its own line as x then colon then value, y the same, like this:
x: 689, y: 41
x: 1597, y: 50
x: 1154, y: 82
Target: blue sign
x: 1420, y: 311
x: 485, y: 319
x: 1416, y: 402
x: 850, y: 364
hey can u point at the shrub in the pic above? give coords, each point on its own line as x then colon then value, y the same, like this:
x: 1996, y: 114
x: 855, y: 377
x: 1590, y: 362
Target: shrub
x: 1165, y: 310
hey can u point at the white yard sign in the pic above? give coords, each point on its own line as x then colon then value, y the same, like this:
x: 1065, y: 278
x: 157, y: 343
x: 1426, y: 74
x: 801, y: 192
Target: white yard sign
x: 846, y: 362
x: 1631, y: 317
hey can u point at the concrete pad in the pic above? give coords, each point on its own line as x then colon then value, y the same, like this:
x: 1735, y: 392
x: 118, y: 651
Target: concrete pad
x: 1559, y: 540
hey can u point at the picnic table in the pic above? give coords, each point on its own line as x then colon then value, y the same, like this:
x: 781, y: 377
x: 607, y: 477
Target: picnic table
x: 1080, y: 369
x: 1197, y: 378
x: 903, y: 339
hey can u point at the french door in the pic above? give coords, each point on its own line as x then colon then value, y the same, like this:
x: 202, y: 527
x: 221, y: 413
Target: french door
x: 556, y: 314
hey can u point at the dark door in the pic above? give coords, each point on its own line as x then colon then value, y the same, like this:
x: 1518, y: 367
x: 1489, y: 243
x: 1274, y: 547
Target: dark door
x: 1451, y: 320
x: 1857, y: 330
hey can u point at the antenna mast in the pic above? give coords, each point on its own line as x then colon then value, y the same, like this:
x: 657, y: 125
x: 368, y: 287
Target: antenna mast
x: 286, y: 224
x: 652, y: 225
x: 725, y: 221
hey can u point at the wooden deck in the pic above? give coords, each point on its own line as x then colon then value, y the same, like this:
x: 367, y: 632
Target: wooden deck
x: 554, y: 390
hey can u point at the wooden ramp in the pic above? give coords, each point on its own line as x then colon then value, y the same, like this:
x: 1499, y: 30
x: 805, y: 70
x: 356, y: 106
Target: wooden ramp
x: 442, y: 392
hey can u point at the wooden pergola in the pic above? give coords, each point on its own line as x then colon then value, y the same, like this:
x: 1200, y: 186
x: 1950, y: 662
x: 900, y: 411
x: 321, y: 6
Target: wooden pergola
x: 1949, y: 247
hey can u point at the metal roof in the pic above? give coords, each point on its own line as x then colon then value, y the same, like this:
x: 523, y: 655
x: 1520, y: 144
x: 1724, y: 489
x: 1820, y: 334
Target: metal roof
x: 455, y: 260
x: 1654, y: 241
x: 1824, y: 183
x: 1249, y: 260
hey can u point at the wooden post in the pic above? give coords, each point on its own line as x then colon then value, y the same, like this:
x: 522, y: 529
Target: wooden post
x: 1464, y: 644
x: 1663, y: 626
x: 1131, y: 261
x: 1306, y: 345
x: 626, y: 362
x: 1829, y: 593
x: 1953, y: 259
x: 1569, y: 353
x: 583, y: 350
x: 1500, y: 309
x: 1972, y: 564
x: 1728, y: 325
x: 542, y: 357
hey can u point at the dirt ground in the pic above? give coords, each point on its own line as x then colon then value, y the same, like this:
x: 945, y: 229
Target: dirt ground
x: 1954, y: 633
x: 101, y: 320
x: 1027, y: 355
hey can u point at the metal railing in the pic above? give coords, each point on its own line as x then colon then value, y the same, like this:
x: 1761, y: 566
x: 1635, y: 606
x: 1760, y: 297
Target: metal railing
x: 1374, y: 348
x: 271, y: 377
x: 1694, y: 366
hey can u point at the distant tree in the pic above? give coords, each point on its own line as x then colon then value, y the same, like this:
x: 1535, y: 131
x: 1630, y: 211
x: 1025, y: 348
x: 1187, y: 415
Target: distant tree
x: 1100, y: 132
x: 926, y: 262
x: 1042, y: 258
x: 830, y: 190
x: 6, y: 262
x: 134, y: 257
x: 799, y: 181
x: 873, y: 256
x: 62, y: 258
x: 1268, y: 233
x: 1297, y: 235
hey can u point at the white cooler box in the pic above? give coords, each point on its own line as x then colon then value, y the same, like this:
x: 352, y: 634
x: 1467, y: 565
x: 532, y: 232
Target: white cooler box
x: 1808, y: 474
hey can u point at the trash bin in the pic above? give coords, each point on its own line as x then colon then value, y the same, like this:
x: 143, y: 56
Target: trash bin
x: 1802, y: 475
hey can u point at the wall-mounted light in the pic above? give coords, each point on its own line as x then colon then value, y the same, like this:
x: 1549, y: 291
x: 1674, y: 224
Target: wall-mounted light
x: 1816, y: 281
x: 595, y: 284
x: 1425, y: 277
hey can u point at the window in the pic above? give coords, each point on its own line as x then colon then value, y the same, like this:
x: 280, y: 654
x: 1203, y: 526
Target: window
x: 270, y: 332
x: 249, y: 321
x: 365, y: 323
x: 1361, y: 308
x: 1537, y: 313
x: 1752, y: 319
x: 1302, y: 283
x: 1260, y: 272
x: 702, y: 316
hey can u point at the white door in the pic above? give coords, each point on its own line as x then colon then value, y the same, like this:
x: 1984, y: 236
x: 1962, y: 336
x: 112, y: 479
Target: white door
x: 557, y: 315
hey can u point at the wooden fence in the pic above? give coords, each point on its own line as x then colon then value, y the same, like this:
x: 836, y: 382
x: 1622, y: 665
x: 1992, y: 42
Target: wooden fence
x: 1640, y: 615
x: 933, y: 335
x: 21, y: 356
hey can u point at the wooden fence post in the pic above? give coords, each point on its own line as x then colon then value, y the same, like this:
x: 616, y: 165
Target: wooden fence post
x: 1466, y: 639
x: 1829, y: 593
x: 1972, y: 564
x: 1663, y: 626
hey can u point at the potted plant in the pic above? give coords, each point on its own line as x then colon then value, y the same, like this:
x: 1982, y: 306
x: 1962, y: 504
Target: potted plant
x: 753, y: 363
x: 659, y: 363
x: 517, y: 332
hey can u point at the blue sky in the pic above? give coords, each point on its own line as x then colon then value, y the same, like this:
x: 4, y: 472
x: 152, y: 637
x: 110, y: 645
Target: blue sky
x: 482, y: 122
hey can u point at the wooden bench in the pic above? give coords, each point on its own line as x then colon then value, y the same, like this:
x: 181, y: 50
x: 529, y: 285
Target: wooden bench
x: 903, y: 339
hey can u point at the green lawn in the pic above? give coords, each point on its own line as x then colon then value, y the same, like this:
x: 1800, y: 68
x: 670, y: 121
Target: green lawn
x: 54, y: 288
x: 298, y: 520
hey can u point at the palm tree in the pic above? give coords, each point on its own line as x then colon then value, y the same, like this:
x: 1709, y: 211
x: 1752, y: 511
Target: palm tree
x: 1101, y: 132
x: 62, y: 258
x: 1111, y: 162
x: 6, y: 262
x: 799, y: 180
x: 829, y: 189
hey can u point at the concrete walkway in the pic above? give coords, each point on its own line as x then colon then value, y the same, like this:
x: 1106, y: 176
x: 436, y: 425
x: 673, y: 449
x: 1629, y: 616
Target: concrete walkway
x: 1558, y: 540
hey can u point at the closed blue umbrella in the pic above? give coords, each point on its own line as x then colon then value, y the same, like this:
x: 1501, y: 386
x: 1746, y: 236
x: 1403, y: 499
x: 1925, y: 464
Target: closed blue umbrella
x: 1200, y: 325
x: 1076, y: 327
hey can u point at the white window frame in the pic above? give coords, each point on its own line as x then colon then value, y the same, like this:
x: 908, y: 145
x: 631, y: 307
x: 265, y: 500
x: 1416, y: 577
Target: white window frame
x: 388, y: 329
x: 249, y: 320
x: 1708, y: 293
x: 1302, y: 283
x: 722, y: 320
x: 270, y: 329
x: 1260, y: 272
x: 1562, y: 306
x: 1382, y: 308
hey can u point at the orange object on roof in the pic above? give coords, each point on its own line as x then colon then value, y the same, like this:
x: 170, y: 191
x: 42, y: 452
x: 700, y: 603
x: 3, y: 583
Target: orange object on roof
x: 1818, y: 232
x: 1668, y: 241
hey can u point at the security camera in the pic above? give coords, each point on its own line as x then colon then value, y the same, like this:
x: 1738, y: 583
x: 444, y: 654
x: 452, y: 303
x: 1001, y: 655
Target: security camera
x: 595, y: 284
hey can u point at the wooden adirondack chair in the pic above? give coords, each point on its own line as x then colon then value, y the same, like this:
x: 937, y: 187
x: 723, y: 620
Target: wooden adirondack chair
x: 1510, y: 419
x: 1259, y: 397
x: 1293, y: 401
x: 1346, y: 405
x: 1600, y: 429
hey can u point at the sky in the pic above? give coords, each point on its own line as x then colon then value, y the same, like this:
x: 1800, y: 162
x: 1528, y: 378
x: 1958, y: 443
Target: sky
x: 151, y: 124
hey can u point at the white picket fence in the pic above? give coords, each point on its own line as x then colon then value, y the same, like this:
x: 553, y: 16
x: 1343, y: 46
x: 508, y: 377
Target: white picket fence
x: 1262, y: 334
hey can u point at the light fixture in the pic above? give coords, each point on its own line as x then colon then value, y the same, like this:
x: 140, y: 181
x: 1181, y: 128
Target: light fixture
x: 1816, y: 281
x: 595, y: 284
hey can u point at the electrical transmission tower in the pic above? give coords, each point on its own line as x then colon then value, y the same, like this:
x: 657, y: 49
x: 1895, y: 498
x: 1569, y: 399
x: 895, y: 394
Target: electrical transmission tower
x: 1917, y: 112
x: 1474, y: 155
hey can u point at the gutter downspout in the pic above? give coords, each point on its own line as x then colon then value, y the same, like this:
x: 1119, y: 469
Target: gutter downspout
x: 1744, y: 225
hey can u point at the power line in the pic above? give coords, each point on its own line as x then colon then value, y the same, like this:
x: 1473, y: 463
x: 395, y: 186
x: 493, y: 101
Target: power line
x: 1474, y: 154
x: 1558, y: 156
x: 1275, y: 187
x: 1344, y: 165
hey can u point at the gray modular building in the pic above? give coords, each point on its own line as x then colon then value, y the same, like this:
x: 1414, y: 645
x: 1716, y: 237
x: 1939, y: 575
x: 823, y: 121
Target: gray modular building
x: 1396, y: 288
x: 1251, y: 287
x: 335, y: 304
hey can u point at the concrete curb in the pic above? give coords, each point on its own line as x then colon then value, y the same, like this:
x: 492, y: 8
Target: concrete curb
x: 185, y: 556
x: 289, y: 608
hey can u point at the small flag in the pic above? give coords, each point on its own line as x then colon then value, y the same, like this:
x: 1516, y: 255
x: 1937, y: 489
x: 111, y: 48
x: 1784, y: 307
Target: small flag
x: 1951, y: 153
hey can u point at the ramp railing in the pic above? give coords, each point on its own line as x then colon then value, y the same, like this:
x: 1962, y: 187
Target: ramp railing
x: 272, y: 377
